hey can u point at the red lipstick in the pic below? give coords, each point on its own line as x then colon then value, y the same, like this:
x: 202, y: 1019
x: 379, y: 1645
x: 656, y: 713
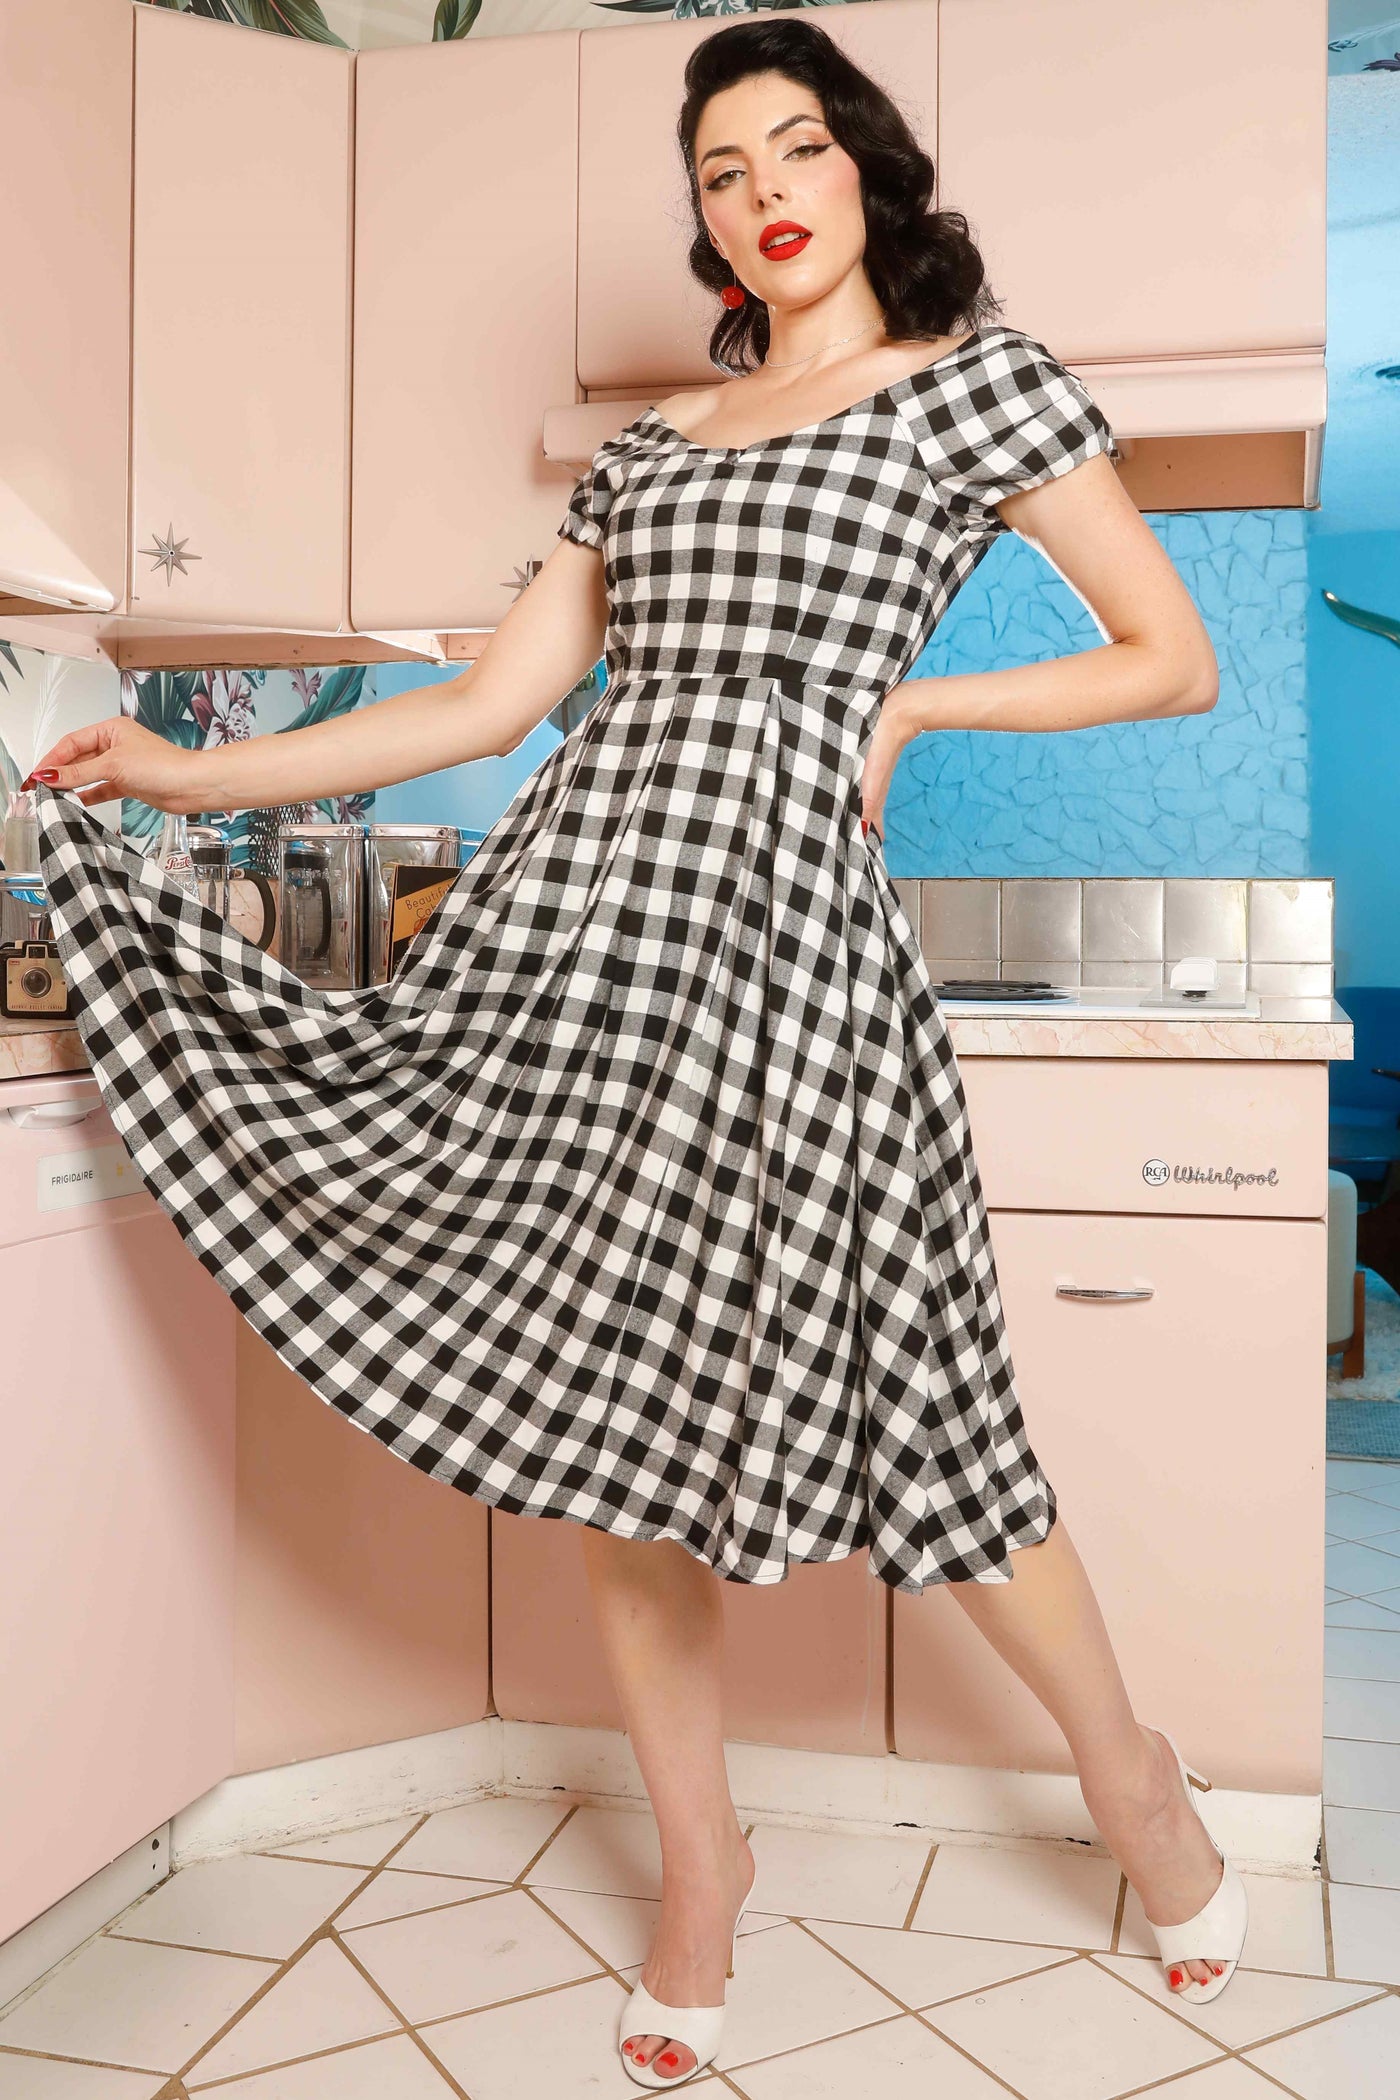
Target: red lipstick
x: 778, y: 232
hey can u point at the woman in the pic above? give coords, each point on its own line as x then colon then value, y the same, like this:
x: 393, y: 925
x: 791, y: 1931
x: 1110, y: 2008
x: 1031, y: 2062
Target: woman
x: 644, y: 1195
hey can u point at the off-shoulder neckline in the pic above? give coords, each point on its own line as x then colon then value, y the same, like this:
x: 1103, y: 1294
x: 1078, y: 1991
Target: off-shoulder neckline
x: 839, y: 415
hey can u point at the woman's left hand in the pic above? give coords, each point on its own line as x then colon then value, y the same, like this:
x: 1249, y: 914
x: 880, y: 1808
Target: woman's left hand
x: 892, y: 733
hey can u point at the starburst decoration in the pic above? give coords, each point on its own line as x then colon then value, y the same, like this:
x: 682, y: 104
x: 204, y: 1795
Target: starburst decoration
x: 169, y: 553
x: 522, y: 577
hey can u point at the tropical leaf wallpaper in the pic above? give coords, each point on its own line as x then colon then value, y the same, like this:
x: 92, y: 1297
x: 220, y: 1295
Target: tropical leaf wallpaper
x: 361, y: 25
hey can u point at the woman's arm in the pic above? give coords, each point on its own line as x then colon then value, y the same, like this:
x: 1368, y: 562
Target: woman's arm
x: 1158, y: 660
x: 551, y: 636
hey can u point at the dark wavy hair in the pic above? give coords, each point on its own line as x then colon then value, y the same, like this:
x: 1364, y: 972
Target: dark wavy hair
x: 923, y: 264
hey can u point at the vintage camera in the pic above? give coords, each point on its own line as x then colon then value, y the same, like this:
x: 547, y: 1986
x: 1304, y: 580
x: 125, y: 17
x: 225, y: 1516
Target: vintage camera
x: 32, y: 982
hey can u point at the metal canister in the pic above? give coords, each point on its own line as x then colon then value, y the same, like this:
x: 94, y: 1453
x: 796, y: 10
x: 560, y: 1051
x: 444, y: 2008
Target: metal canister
x: 422, y: 846
x: 321, y: 900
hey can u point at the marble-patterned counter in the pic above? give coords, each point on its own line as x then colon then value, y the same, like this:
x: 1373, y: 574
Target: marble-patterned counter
x: 1308, y: 1028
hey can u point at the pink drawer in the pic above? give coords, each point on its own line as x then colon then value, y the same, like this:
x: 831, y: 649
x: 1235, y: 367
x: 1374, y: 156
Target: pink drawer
x: 1218, y: 1138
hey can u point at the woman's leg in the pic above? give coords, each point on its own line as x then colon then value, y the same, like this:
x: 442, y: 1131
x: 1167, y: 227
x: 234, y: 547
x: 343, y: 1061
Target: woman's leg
x: 659, y: 1613
x: 1047, y: 1625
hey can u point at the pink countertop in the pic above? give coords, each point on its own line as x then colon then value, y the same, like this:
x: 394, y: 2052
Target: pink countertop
x: 1292, y: 1028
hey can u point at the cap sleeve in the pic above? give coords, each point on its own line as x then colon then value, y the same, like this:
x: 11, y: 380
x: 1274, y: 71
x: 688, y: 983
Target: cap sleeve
x: 1010, y: 419
x: 586, y: 516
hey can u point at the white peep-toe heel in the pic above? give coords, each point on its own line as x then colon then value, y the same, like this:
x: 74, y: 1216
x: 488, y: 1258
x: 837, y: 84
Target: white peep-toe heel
x: 1217, y: 1931
x: 699, y: 2027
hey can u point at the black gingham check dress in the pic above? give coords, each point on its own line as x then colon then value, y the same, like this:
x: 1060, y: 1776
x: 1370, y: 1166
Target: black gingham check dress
x: 644, y: 1195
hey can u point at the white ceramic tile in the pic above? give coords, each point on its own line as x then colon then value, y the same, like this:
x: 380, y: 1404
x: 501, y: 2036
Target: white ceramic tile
x: 395, y: 1895
x: 245, y: 1904
x: 1255, y: 2003
x: 365, y: 1847
x: 560, y: 2047
x: 1363, y: 1613
x: 992, y: 1893
x: 1353, y: 1517
x: 829, y: 1874
x: 1227, y: 2080
x: 1350, y: 2058
x: 1365, y: 1932
x: 120, y: 2002
x: 1360, y: 1654
x: 393, y: 2070
x: 788, y: 1990
x: 1363, y: 1845
x: 451, y: 1961
x: 1382, y: 1484
x: 41, y: 2078
x: 487, y: 1840
x: 611, y: 1851
x: 1360, y: 1775
x: 1358, y: 1568
x: 900, y: 2059
x: 620, y: 1929
x: 1284, y: 1932
x: 1363, y: 1709
x: 923, y: 1968
x: 1072, y: 2033
x: 1361, y: 1476
x: 321, y: 2003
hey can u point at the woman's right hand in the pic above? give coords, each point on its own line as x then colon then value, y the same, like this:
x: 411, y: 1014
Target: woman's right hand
x: 118, y: 757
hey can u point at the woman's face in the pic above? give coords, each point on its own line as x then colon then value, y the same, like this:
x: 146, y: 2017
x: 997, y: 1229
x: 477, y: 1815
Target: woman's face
x: 765, y: 161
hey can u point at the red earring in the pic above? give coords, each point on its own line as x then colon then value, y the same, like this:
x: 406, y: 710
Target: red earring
x: 733, y: 294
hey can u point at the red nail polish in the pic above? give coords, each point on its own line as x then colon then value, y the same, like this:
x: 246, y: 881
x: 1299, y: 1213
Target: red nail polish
x: 668, y: 2059
x: 1176, y: 1976
x: 864, y: 824
x: 46, y: 773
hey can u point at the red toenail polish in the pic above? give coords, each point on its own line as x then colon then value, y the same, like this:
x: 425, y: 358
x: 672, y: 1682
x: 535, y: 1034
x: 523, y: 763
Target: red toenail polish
x: 668, y: 2059
x: 1176, y: 1976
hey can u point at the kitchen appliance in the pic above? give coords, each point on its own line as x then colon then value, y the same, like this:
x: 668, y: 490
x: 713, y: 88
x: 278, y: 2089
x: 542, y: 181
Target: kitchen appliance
x: 416, y: 845
x: 321, y: 902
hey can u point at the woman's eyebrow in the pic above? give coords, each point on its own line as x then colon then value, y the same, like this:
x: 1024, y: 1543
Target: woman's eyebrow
x: 803, y: 117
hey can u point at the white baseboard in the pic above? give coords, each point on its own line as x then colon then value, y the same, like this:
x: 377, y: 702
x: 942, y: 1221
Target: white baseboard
x: 255, y: 1811
x: 815, y: 1789
x: 38, y: 1947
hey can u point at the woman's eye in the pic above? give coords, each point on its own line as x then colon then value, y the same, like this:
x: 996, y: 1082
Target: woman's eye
x: 804, y: 147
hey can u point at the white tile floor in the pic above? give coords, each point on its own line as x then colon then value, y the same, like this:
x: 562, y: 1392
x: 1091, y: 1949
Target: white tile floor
x: 483, y: 1951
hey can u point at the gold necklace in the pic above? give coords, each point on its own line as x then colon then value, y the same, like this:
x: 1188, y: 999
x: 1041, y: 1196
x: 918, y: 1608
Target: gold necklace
x: 784, y: 362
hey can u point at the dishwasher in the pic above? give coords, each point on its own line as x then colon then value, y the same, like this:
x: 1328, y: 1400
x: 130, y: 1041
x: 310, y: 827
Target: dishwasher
x: 116, y: 1501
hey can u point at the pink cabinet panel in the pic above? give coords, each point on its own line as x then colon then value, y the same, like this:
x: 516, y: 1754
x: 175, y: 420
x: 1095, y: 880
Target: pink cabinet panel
x: 1143, y: 181
x: 1184, y: 1435
x: 116, y: 1516
x: 804, y: 1658
x: 65, y: 175
x: 361, y: 1584
x: 1225, y: 1137
x: 642, y: 318
x: 466, y: 198
x: 240, y: 326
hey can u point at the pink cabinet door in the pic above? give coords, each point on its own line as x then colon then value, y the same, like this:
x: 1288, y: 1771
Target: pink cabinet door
x: 116, y: 1509
x: 1184, y: 1435
x: 804, y: 1658
x: 1143, y: 181
x: 642, y: 318
x: 465, y: 221
x: 65, y: 175
x: 240, y: 325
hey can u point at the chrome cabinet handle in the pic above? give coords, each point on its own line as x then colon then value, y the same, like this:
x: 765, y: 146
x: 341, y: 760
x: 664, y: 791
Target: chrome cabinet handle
x: 1086, y: 1290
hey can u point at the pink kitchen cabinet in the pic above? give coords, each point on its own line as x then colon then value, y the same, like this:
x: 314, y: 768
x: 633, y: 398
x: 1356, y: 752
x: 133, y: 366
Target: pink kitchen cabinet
x: 466, y: 208
x: 65, y: 175
x: 1183, y: 1428
x: 642, y: 317
x: 240, y: 325
x: 117, y: 1528
x: 805, y: 1659
x: 1144, y: 181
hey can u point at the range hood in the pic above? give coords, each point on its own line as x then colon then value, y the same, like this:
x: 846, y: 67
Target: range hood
x: 1229, y: 432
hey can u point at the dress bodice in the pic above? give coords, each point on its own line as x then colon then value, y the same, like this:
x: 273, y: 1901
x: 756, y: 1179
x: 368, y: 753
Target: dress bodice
x: 830, y: 552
